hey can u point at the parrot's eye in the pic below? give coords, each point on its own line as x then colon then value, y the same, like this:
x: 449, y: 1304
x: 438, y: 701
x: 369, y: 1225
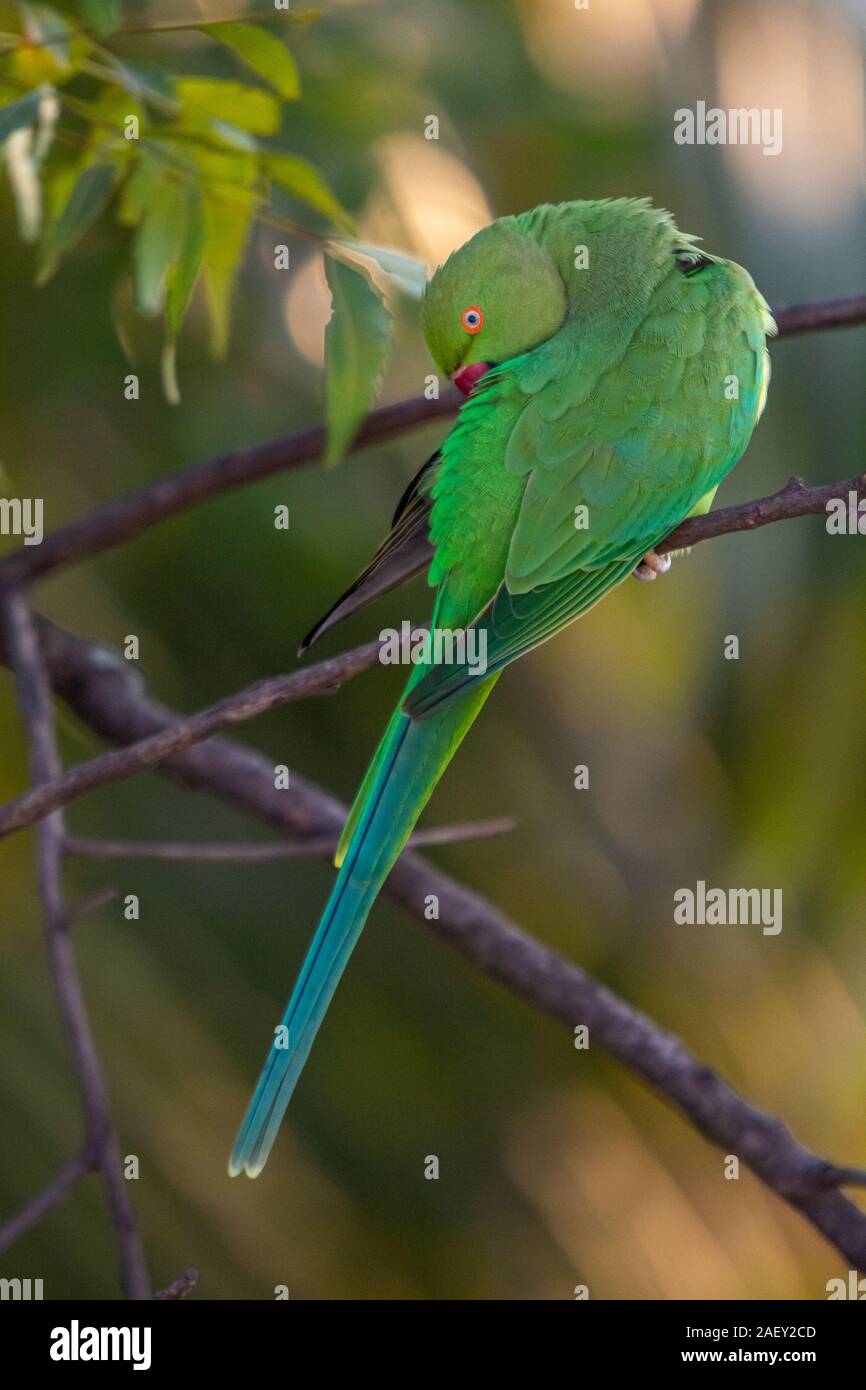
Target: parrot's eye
x: 472, y: 319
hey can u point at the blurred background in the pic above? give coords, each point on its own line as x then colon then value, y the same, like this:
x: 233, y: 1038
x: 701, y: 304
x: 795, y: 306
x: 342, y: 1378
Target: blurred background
x: 556, y: 1167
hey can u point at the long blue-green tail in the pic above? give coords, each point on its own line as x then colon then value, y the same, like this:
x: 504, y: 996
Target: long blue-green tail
x: 408, y: 763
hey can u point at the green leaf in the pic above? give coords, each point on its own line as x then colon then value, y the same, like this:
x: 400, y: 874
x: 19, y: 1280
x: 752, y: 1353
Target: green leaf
x: 89, y: 198
x: 23, y: 112
x: 102, y: 16
x: 237, y: 139
x: 49, y: 114
x: 23, y: 173
x: 240, y: 105
x: 265, y: 54
x: 179, y: 287
x: 146, y: 83
x: 298, y: 177
x: 25, y: 150
x: 138, y: 191
x: 227, y: 217
x: 159, y: 241
x: 168, y: 366
x: 184, y: 273
x: 47, y: 29
x: 407, y: 273
x: 108, y: 115
x: 357, y: 342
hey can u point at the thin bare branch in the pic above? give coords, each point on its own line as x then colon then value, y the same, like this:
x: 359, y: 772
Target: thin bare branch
x: 95, y: 903
x: 829, y: 313
x: 34, y: 700
x: 113, y: 702
x: 119, y: 521
x: 129, y: 516
x: 258, y: 698
x: 54, y: 1192
x: 180, y: 1287
x: 316, y: 847
x: 793, y: 500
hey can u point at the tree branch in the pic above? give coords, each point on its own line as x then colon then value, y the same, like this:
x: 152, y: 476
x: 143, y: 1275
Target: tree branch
x: 113, y: 702
x: 794, y: 500
x: 129, y: 516
x: 829, y: 313
x: 34, y: 699
x: 312, y: 848
x: 258, y: 698
x: 40, y: 1205
x: 180, y: 1287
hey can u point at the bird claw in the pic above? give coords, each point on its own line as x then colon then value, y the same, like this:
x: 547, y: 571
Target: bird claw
x: 651, y: 565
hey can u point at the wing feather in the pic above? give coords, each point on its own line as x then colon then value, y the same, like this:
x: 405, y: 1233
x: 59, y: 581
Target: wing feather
x: 405, y: 552
x: 615, y: 457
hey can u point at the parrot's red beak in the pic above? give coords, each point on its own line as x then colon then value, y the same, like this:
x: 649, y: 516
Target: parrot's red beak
x: 466, y: 377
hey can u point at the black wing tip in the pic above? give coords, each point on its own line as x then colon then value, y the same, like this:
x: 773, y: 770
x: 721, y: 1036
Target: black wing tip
x: 331, y: 619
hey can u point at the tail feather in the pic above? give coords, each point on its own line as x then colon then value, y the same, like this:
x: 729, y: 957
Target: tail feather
x: 408, y: 763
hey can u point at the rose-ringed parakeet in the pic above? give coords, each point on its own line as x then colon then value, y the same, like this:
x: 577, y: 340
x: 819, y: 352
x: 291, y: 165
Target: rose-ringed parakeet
x: 614, y: 374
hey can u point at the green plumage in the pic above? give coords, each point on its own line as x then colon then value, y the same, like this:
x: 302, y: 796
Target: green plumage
x: 628, y: 370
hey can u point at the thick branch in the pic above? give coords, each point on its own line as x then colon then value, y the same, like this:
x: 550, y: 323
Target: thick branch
x: 119, y: 521
x: 113, y: 702
x: 829, y: 313
x: 794, y: 500
x: 130, y: 515
x: 34, y: 698
x: 471, y: 925
x: 255, y: 699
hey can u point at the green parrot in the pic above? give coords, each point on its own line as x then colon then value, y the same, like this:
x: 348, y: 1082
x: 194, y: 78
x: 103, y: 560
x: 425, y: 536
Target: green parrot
x: 614, y: 374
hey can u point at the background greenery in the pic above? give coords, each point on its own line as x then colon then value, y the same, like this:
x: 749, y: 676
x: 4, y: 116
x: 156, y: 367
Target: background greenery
x: 556, y: 1167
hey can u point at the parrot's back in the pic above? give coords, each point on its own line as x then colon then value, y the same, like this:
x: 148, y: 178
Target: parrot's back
x: 625, y: 371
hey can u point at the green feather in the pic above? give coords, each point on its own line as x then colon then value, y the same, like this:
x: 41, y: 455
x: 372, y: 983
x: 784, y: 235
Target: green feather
x: 628, y: 371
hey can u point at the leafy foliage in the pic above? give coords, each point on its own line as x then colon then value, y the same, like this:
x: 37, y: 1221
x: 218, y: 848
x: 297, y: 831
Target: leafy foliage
x: 186, y: 163
x: 357, y: 341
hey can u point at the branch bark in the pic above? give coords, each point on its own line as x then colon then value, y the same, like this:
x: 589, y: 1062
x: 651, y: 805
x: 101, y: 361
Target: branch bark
x: 180, y: 1287
x: 34, y: 699
x: 52, y: 1193
x: 129, y: 516
x: 794, y: 500
x: 114, y: 703
x: 321, y: 679
x: 312, y: 848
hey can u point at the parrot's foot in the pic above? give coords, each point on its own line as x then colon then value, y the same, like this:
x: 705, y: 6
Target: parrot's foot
x: 651, y: 565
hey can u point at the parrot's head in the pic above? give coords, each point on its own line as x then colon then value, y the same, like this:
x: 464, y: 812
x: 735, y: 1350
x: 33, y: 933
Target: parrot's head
x: 498, y: 296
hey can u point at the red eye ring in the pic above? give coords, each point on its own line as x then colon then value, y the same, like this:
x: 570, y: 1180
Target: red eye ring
x: 472, y: 319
